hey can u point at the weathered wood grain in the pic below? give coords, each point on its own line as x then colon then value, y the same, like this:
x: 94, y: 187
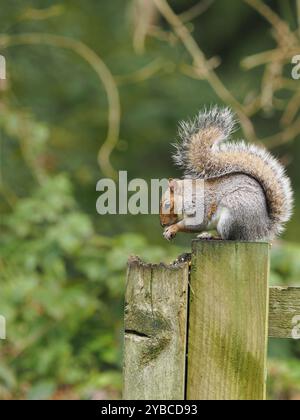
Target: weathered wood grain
x: 155, y: 331
x: 226, y: 331
x: 228, y: 321
x: 284, y: 312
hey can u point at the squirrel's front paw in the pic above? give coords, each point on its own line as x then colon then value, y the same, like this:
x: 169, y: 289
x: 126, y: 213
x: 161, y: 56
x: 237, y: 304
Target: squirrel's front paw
x: 170, y: 232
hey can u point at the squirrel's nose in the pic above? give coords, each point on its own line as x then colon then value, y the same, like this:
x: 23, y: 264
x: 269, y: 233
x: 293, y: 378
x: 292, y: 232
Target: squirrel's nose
x: 163, y: 223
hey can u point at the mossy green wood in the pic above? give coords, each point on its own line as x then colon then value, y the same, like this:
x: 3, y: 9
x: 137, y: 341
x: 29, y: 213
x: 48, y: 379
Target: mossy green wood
x: 155, y: 331
x: 228, y: 321
x: 284, y: 311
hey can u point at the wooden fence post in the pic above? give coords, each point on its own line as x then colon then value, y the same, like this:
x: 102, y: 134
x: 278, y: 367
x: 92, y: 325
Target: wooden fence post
x: 155, y: 331
x: 228, y: 323
x: 284, y: 311
x: 200, y: 333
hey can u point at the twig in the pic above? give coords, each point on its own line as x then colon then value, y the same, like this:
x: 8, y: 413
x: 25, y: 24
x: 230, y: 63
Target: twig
x: 42, y: 14
x: 291, y: 110
x: 144, y: 16
x: 194, y: 73
x: 282, y: 54
x: 161, y: 35
x: 285, y: 136
x: 104, y: 75
x: 289, y: 84
x: 272, y: 72
x: 252, y: 105
x: 284, y: 35
x: 142, y: 74
x: 195, y: 11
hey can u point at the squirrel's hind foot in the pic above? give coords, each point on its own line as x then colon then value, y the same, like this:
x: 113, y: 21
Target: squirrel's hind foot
x: 208, y: 236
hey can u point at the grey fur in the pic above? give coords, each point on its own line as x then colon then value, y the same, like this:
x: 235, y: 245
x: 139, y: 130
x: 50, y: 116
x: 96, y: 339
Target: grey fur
x: 245, y: 190
x: 246, y: 214
x: 223, y: 119
x: 241, y: 209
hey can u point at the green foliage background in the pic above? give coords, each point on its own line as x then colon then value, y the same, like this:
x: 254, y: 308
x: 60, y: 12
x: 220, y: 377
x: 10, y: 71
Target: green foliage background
x: 62, y: 266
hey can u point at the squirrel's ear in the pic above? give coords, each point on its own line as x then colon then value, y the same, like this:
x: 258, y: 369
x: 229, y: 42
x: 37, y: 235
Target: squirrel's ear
x: 172, y: 184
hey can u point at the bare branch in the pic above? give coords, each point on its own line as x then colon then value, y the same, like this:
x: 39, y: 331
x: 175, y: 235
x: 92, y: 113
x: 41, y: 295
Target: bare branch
x: 195, y: 11
x: 278, y: 54
x: 196, y: 73
x: 42, y: 14
x: 289, y: 134
x: 144, y: 14
x: 291, y: 110
x: 144, y: 73
x: 284, y: 35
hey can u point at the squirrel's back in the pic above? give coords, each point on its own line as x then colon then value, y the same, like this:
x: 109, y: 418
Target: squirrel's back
x: 203, y: 153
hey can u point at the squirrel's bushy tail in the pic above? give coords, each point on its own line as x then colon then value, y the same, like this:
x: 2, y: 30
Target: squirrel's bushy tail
x: 202, y: 153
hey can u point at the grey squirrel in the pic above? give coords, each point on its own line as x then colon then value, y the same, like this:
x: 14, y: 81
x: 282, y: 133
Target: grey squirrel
x: 247, y: 194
